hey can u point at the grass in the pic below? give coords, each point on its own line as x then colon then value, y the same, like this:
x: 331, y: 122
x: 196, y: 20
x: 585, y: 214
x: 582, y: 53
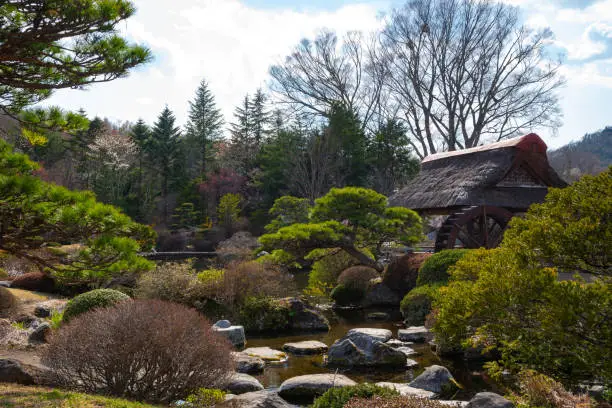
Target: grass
x: 19, y: 325
x: 55, y: 320
x: 19, y: 396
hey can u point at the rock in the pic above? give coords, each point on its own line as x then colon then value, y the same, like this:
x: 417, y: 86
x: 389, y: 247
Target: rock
x: 345, y: 353
x: 42, y: 311
x: 266, y: 354
x: 243, y: 383
x: 259, y: 399
x: 235, y: 334
x: 223, y: 324
x: 308, y: 347
x: 407, y: 351
x: 405, y: 389
x: 358, y: 349
x: 435, y: 379
x: 417, y: 334
x: 25, y: 319
x: 39, y: 335
x: 379, y: 294
x: 457, y: 404
x: 489, y: 400
x: 303, y: 317
x: 379, y: 316
x: 307, y: 387
x: 398, y: 343
x: 411, y: 363
x: 11, y: 371
x: 5, y: 284
x: 381, y: 335
x: 247, y: 364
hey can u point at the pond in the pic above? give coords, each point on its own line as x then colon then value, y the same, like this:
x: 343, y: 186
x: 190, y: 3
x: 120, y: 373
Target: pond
x: 469, y: 375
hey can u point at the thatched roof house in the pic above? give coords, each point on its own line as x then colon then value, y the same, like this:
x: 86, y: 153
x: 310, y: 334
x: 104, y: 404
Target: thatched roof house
x: 513, y: 174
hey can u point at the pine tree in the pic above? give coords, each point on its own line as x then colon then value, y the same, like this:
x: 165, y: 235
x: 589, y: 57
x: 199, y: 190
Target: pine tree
x: 204, y: 125
x: 260, y: 118
x: 141, y: 135
x: 242, y: 148
x: 165, y: 151
x: 349, y: 142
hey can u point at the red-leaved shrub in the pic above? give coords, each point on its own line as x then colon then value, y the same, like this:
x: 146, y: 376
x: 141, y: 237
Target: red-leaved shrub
x: 357, y: 277
x: 36, y: 281
x: 393, y: 402
x: 402, y: 273
x: 146, y: 350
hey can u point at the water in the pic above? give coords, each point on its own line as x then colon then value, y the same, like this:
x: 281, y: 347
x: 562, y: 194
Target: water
x: 469, y: 376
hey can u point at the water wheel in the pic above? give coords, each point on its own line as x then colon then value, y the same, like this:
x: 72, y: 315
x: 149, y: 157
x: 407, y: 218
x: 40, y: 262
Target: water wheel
x: 473, y: 227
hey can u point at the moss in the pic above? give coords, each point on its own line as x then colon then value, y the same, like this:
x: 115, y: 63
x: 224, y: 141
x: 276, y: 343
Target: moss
x: 261, y: 314
x: 416, y: 305
x: 435, y: 268
x: 347, y: 295
x: 91, y: 300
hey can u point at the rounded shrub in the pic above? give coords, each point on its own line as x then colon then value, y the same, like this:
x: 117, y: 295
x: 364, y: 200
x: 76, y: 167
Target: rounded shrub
x: 35, y: 281
x: 435, y: 268
x: 357, y: 277
x: 7, y: 301
x: 402, y: 273
x: 94, y: 299
x: 261, y: 314
x: 338, y: 397
x: 347, y: 295
x: 323, y: 276
x: 146, y: 350
x: 416, y: 305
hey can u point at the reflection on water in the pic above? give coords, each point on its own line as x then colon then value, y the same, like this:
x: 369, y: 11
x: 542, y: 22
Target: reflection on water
x: 469, y: 377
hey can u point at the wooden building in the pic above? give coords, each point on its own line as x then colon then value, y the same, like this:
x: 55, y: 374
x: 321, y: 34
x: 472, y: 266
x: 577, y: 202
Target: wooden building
x: 480, y: 189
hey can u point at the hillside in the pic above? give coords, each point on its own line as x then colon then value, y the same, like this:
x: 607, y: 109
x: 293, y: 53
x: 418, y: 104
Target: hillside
x: 590, y: 155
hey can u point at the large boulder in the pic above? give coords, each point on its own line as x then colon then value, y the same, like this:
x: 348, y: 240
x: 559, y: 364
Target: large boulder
x: 14, y: 371
x: 405, y: 389
x: 258, y: 399
x: 243, y: 383
x: 365, y: 347
x: 379, y: 294
x: 416, y: 334
x: 266, y: 354
x: 381, y: 335
x: 247, y: 364
x: 40, y: 333
x: 435, y: 379
x: 303, y: 317
x: 489, y: 400
x: 235, y: 334
x: 308, y: 347
x: 305, y: 388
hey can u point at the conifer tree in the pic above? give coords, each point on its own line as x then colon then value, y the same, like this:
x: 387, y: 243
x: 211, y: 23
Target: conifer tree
x: 242, y: 146
x: 260, y: 118
x: 204, y: 125
x: 141, y: 135
x: 165, y: 151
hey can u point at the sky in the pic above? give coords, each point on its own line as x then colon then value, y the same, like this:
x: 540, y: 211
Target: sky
x: 232, y: 43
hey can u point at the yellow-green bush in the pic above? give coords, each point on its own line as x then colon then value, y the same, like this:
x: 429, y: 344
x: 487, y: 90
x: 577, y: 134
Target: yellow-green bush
x: 435, y: 268
x: 416, y: 305
x: 325, y: 271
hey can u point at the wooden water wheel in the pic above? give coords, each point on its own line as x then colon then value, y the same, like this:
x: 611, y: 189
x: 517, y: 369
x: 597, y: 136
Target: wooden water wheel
x: 473, y: 227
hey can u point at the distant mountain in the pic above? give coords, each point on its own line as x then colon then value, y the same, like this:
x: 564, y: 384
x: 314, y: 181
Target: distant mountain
x: 590, y: 155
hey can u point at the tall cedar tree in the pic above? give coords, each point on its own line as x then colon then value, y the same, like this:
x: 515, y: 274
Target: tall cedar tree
x: 260, y: 117
x: 47, y: 45
x: 165, y: 152
x: 241, y: 143
x: 141, y: 135
x: 204, y: 125
x: 349, y: 144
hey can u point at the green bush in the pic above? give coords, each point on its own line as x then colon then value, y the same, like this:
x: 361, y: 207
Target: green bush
x: 338, y: 397
x: 260, y: 314
x: 205, y: 398
x: 347, y: 295
x: 93, y: 300
x: 416, y: 305
x: 325, y: 271
x: 358, y: 276
x: 3, y: 274
x: 435, y: 268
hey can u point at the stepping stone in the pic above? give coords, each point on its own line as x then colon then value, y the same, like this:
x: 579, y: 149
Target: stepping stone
x: 243, y: 383
x: 382, y: 335
x: 247, y: 364
x: 266, y: 354
x: 489, y: 400
x: 410, y: 363
x: 307, y: 347
x: 417, y: 334
x: 435, y: 379
x: 398, y: 343
x: 407, y: 390
x: 308, y: 387
x: 257, y: 399
x: 407, y: 351
x: 378, y: 316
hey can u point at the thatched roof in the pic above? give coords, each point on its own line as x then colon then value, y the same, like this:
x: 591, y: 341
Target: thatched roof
x: 512, y: 173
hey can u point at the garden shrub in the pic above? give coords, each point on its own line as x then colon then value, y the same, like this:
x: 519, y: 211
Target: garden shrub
x: 174, y: 282
x: 97, y: 298
x: 347, y: 295
x: 402, y: 273
x: 261, y: 314
x: 325, y: 271
x: 435, y: 268
x: 35, y: 281
x: 357, y: 277
x: 393, y: 402
x: 206, y: 398
x: 338, y: 397
x: 7, y: 301
x: 416, y: 305
x: 538, y: 390
x: 147, y: 350
x: 3, y: 274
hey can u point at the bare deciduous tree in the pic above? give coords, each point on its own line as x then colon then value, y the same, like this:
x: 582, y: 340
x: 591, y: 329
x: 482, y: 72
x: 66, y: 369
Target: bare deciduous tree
x: 465, y: 71
x: 322, y: 72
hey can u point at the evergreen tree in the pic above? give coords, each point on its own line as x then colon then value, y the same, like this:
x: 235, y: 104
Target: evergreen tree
x: 165, y: 152
x: 141, y: 135
x: 260, y: 118
x: 349, y: 144
x: 241, y: 129
x: 242, y: 152
x: 204, y: 125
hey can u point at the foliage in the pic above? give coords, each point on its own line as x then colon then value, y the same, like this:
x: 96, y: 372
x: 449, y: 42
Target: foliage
x: 324, y: 273
x: 60, y: 45
x: 416, y: 305
x: 505, y: 298
x: 56, y: 319
x: 35, y: 281
x: 228, y: 210
x: 7, y: 301
x: 147, y: 350
x: 288, y: 210
x: 394, y: 402
x: 173, y: 282
x: 346, y: 295
x: 20, y: 325
x: 435, y: 268
x: 357, y: 277
x: 15, y: 395
x: 349, y: 218
x: 32, y: 209
x: 402, y: 272
x: 262, y: 314
x: 97, y: 298
x: 538, y: 390
x: 206, y: 398
x: 338, y: 397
